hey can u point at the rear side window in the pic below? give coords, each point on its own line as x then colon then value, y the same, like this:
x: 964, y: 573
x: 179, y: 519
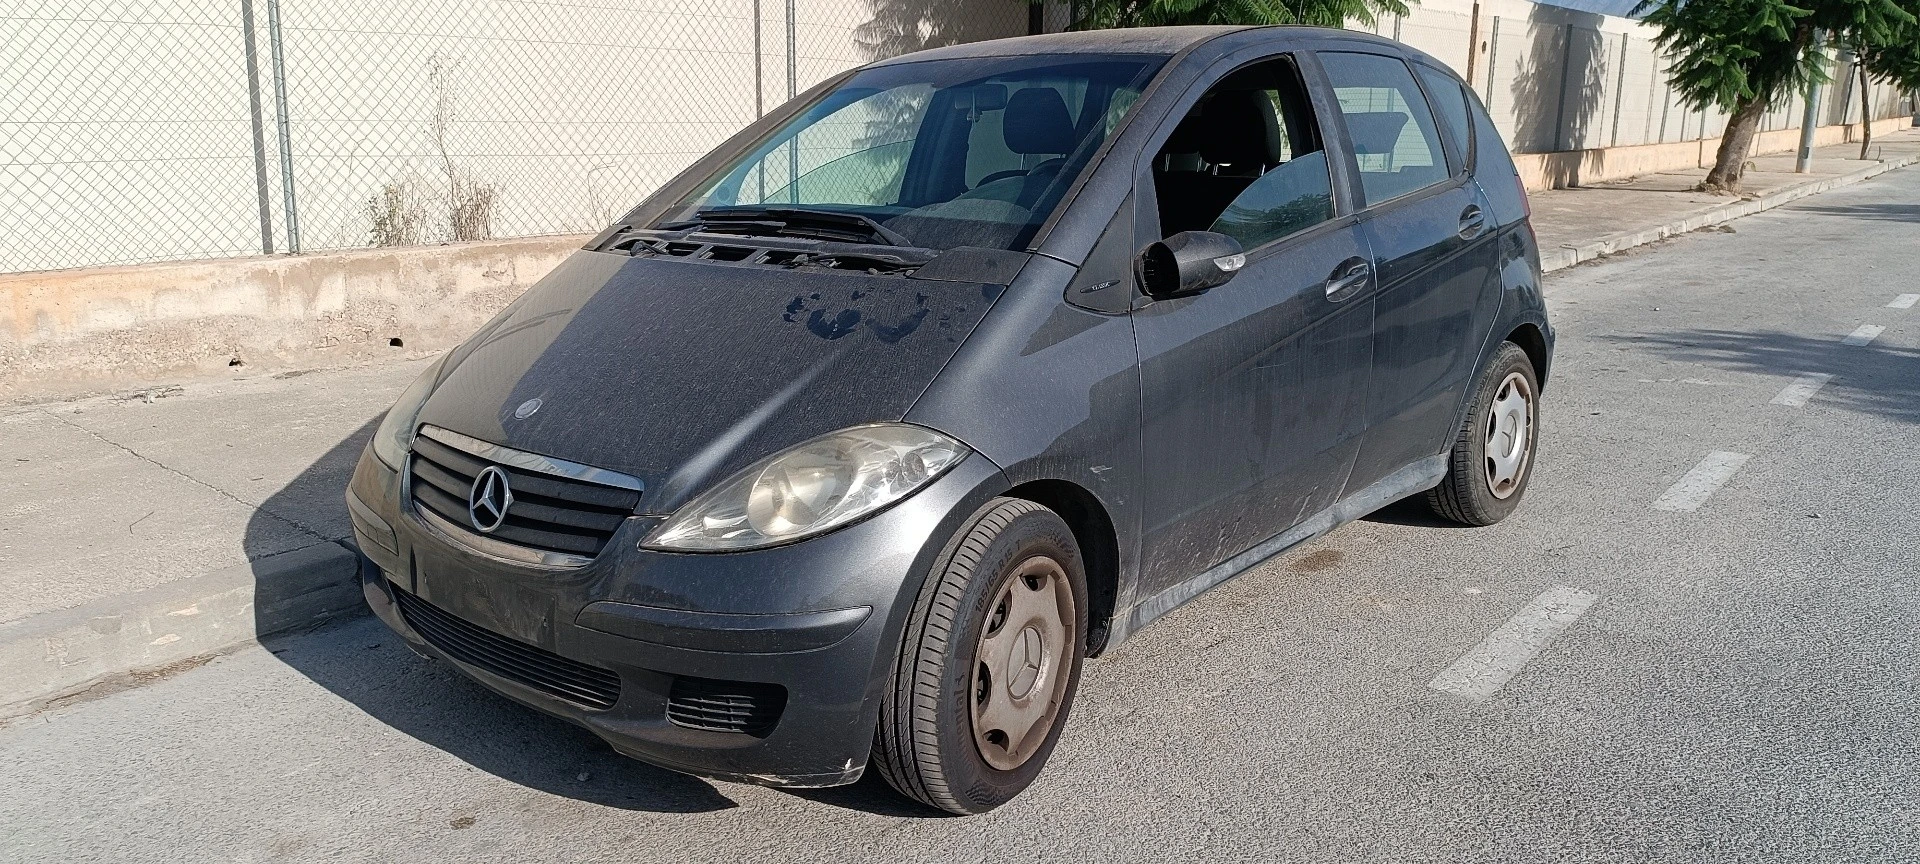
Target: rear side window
x: 1395, y: 142
x: 1450, y: 99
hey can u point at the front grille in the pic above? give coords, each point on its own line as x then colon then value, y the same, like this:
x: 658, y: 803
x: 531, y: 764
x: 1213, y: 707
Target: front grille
x: 550, y: 513
x: 530, y: 665
x: 726, y: 706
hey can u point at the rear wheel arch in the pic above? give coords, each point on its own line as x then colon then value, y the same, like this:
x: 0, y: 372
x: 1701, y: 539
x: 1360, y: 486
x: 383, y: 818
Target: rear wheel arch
x: 1531, y: 340
x: 1099, y: 547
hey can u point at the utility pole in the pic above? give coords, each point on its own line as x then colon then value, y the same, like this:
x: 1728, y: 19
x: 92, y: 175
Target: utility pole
x: 1807, y: 120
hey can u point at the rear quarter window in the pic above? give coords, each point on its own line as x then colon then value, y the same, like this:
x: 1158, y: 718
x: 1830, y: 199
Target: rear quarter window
x: 1450, y: 102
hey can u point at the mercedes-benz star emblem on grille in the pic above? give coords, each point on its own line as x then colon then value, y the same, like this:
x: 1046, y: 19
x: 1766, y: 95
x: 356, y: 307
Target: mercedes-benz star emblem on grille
x: 490, y: 499
x: 526, y: 409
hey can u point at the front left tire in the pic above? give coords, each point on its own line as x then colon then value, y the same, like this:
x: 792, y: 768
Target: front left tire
x: 989, y: 662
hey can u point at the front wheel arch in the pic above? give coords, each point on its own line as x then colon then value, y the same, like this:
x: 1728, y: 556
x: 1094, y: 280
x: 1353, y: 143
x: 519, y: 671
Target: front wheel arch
x: 1099, y: 548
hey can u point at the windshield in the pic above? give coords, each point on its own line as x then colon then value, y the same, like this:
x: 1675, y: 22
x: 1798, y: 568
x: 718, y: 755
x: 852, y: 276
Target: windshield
x: 938, y: 154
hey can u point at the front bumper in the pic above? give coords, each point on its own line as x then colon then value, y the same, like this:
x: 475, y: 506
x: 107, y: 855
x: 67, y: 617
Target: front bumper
x: 819, y: 619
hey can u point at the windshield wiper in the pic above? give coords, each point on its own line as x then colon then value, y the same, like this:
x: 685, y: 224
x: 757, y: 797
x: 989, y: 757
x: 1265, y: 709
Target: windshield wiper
x: 793, y: 222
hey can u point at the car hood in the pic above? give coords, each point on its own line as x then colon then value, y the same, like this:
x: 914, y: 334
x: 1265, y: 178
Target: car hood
x: 682, y: 372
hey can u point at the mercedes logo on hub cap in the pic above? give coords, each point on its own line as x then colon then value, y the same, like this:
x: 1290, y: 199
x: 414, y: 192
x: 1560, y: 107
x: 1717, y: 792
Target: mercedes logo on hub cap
x: 490, y: 499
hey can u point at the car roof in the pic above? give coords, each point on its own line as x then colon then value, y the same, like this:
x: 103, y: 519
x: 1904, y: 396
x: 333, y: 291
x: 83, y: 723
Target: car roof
x: 1135, y: 40
x: 1165, y: 41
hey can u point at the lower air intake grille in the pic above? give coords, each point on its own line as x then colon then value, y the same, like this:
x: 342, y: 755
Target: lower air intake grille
x: 576, y: 682
x: 726, y: 706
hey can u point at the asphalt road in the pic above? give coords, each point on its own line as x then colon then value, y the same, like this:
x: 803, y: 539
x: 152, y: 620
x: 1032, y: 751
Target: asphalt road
x: 1732, y: 682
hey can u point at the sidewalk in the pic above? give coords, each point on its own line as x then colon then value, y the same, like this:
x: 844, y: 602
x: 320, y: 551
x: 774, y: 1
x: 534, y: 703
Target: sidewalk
x: 1581, y: 224
x: 149, y: 529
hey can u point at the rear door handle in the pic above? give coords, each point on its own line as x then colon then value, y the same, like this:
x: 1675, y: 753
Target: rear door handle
x: 1473, y: 222
x: 1352, y: 275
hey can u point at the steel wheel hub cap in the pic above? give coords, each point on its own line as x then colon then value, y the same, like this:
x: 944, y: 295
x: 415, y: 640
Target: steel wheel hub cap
x: 1020, y: 665
x: 1509, y: 435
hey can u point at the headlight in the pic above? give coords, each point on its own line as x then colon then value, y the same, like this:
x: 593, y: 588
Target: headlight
x: 395, y: 436
x: 810, y: 489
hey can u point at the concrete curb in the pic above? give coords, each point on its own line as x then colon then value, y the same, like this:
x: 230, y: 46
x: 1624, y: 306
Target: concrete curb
x: 54, y: 655
x: 1567, y: 256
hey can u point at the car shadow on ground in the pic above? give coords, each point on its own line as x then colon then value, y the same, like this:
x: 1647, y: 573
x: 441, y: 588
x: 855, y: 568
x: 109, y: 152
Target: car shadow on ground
x: 1874, y: 379
x: 362, y: 662
x: 1411, y: 512
x: 1876, y: 212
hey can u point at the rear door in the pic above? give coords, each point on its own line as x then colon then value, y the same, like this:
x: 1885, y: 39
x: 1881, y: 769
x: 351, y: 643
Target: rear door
x: 1428, y: 227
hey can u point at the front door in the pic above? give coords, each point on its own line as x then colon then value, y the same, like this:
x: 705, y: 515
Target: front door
x: 1253, y: 394
x: 1429, y: 229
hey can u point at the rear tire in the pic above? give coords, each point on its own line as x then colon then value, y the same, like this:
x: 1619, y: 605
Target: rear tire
x: 1492, y: 458
x: 989, y: 662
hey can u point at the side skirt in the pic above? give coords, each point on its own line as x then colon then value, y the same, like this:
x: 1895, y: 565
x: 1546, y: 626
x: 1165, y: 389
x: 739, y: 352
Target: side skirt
x: 1411, y: 480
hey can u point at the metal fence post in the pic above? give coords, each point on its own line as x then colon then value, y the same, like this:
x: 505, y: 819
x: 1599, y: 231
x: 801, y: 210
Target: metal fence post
x: 1560, y: 99
x: 259, y: 134
x: 1619, y: 92
x: 759, y: 75
x: 793, y: 89
x: 1493, y: 58
x: 1653, y: 84
x: 292, y: 209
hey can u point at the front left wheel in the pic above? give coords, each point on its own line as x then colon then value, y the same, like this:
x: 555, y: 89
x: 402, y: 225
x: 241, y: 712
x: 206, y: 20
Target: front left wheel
x: 989, y: 662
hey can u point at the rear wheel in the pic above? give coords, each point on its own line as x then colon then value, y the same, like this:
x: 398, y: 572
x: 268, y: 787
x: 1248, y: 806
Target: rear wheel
x: 1492, y: 459
x: 989, y: 662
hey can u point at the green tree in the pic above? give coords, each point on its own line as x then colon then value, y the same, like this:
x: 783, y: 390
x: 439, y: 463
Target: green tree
x: 1894, y: 59
x: 1161, y: 13
x: 1747, y: 56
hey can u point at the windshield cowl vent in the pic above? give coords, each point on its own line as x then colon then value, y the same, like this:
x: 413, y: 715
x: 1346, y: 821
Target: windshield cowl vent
x: 877, y: 264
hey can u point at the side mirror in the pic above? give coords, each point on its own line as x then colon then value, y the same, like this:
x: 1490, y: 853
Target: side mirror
x: 1188, y: 263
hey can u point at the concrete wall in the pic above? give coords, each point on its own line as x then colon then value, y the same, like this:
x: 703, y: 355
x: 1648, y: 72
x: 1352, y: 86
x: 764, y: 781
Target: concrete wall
x: 75, y: 331
x: 1576, y: 167
x: 1558, y: 79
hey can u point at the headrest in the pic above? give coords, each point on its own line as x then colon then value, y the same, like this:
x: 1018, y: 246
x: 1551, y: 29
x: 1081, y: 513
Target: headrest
x: 1036, y: 122
x: 1375, y: 131
x: 1239, y: 129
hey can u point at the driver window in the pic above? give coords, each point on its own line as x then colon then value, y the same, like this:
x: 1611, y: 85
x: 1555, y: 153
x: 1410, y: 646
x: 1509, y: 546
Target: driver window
x: 1246, y: 161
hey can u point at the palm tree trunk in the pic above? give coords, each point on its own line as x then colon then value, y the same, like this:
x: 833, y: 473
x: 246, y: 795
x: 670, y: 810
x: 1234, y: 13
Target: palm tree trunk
x: 1866, y: 110
x: 1731, y: 159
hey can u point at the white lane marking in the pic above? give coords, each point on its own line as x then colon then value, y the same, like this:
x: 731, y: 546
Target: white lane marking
x: 1862, y: 334
x: 1802, y: 389
x: 1480, y: 673
x: 1694, y: 489
x: 1904, y: 301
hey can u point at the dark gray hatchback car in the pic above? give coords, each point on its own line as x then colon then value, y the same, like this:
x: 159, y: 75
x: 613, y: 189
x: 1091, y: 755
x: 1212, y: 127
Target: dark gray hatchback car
x: 852, y: 442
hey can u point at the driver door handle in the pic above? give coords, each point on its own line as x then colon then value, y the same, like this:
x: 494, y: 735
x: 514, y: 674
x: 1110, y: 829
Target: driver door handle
x: 1352, y: 275
x: 1473, y: 222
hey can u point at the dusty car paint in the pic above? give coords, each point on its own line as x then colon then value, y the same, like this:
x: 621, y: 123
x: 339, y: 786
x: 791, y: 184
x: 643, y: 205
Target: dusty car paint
x: 1185, y: 440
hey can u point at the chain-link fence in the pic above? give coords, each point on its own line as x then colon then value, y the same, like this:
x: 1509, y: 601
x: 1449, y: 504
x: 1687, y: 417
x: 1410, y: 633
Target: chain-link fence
x: 143, y: 130
x: 146, y: 130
